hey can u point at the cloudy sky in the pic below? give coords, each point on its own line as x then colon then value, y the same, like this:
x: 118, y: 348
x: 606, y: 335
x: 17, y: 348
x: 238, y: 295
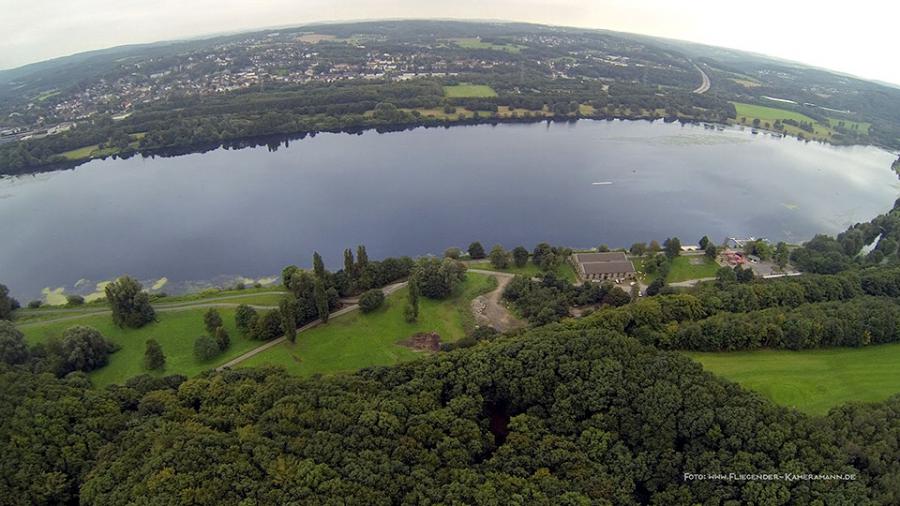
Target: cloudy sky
x: 855, y: 37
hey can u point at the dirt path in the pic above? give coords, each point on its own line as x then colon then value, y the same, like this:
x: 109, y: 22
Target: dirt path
x: 275, y: 342
x: 489, y: 308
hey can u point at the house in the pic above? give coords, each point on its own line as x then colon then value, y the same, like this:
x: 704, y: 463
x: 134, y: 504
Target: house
x: 611, y: 266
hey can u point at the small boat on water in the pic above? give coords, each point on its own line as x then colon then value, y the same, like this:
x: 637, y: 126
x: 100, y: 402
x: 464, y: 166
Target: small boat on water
x: 601, y: 183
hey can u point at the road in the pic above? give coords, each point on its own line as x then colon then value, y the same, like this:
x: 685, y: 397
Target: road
x: 704, y: 86
x: 275, y: 342
x: 494, y: 312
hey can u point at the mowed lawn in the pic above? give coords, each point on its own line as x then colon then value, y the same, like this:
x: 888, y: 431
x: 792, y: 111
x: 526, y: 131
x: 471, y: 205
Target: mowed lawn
x: 469, y: 91
x: 176, y: 332
x: 357, y: 340
x: 564, y: 270
x: 684, y: 268
x: 770, y: 114
x: 812, y: 381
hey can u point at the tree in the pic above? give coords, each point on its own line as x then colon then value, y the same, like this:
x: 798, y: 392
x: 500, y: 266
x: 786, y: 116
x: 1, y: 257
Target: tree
x: 13, y: 349
x: 602, y: 248
x: 288, y: 308
x: 205, y: 348
x: 212, y: 320
x: 638, y: 249
x: 654, y: 247
x: 743, y: 275
x: 725, y: 276
x: 83, y: 349
x: 781, y: 255
x: 635, y: 291
x: 520, y: 256
x: 438, y: 279
x: 268, y: 326
x: 245, y: 318
x: 222, y: 338
x: 453, y: 253
x: 348, y: 263
x: 362, y: 259
x: 476, y: 251
x: 704, y: 242
x: 655, y: 286
x: 154, y: 358
x: 411, y: 312
x: 318, y: 265
x: 129, y: 303
x: 287, y: 276
x: 321, y: 300
x: 672, y: 247
x: 540, y: 251
x: 5, y: 303
x: 371, y: 300
x: 711, y: 251
x: 499, y: 257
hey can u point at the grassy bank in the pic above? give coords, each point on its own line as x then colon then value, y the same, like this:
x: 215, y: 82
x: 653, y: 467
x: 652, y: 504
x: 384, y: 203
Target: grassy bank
x: 356, y: 340
x: 813, y: 381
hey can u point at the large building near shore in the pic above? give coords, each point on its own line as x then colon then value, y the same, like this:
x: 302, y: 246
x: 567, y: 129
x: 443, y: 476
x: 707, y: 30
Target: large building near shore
x: 610, y: 266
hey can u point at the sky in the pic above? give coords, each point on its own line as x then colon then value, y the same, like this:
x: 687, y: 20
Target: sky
x: 853, y: 37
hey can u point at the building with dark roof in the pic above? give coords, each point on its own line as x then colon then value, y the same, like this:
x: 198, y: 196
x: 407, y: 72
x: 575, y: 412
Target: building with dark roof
x: 612, y: 266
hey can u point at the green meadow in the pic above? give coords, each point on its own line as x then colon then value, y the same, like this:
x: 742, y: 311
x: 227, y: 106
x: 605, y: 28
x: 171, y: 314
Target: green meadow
x: 469, y: 91
x: 356, y: 340
x: 812, y: 381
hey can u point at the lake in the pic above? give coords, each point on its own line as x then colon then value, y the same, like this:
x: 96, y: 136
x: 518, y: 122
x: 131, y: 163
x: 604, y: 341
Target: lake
x: 249, y: 212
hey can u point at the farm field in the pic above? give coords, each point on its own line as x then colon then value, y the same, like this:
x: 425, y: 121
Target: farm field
x: 469, y: 91
x: 749, y: 112
x: 812, y: 381
x: 357, y: 340
x: 564, y: 271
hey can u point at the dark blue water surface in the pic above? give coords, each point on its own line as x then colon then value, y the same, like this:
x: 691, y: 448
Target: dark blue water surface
x: 250, y: 212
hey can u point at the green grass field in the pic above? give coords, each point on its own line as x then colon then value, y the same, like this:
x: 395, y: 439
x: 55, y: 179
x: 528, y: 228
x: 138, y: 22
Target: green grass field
x: 356, y: 340
x: 564, y: 271
x: 813, y: 381
x: 175, y: 331
x: 860, y: 126
x: 770, y: 114
x: 469, y: 91
x: 682, y: 268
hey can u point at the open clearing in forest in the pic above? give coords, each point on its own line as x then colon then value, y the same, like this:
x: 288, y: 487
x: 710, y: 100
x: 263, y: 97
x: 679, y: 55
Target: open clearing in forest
x: 469, y: 91
x: 813, y: 381
x: 356, y: 340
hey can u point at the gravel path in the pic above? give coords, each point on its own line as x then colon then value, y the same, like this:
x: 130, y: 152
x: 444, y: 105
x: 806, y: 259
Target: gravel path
x: 489, y: 308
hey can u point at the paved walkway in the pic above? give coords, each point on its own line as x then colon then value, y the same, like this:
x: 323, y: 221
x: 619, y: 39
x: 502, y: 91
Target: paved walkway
x: 275, y: 342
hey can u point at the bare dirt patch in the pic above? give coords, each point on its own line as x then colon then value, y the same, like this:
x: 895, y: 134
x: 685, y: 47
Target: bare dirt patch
x: 423, y: 341
x: 490, y: 311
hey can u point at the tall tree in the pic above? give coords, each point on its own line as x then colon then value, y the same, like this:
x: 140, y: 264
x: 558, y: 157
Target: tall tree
x: 499, y: 257
x: 318, y: 265
x: 412, y: 309
x: 781, y: 255
x: 349, y: 267
x: 154, y: 358
x: 362, y: 259
x: 13, y: 349
x: 222, y: 338
x: 287, y: 307
x: 129, y: 303
x: 321, y: 300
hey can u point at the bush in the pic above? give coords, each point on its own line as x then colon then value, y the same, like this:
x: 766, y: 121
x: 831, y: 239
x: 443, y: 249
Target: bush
x: 476, y: 251
x: 35, y: 304
x: 205, y: 348
x: 83, y: 349
x: 371, y: 300
x: 499, y: 257
x: 74, y: 300
x: 453, y: 253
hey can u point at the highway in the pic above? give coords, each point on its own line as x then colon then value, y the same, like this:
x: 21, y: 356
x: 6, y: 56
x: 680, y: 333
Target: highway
x: 704, y: 86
